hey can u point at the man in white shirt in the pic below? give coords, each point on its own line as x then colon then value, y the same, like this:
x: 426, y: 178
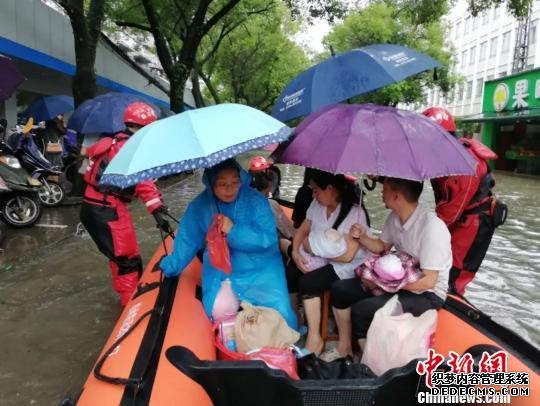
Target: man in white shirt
x: 410, y: 228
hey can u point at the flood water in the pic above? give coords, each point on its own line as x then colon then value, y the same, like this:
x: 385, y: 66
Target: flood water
x: 57, y: 306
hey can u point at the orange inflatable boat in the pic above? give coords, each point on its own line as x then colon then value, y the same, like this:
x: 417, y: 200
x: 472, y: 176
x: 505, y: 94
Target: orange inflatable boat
x: 153, y: 356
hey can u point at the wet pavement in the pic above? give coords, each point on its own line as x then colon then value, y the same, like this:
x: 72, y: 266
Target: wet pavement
x: 57, y: 306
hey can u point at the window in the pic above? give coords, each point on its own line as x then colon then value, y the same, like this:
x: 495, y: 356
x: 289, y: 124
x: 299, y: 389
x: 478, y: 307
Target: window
x: 475, y: 22
x: 502, y: 74
x: 463, y: 58
x: 458, y: 29
x: 493, y: 47
x: 483, y: 50
x: 532, y: 32
x: 496, y: 13
x: 469, y: 90
x: 472, y: 56
x: 479, y: 86
x: 485, y: 18
x: 506, y: 42
x: 460, y: 95
x: 466, y: 26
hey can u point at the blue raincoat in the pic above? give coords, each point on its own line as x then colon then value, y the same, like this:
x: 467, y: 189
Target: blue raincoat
x: 257, y: 273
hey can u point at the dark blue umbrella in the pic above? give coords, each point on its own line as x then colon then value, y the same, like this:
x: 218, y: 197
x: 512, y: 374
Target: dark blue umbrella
x: 48, y: 107
x: 347, y: 75
x: 104, y: 113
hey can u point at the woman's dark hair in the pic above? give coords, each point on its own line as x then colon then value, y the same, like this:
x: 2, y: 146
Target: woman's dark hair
x: 348, y: 190
x: 308, y: 172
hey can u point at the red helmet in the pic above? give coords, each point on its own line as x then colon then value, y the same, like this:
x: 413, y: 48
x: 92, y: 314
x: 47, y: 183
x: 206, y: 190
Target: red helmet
x: 139, y: 113
x: 441, y: 116
x: 258, y: 163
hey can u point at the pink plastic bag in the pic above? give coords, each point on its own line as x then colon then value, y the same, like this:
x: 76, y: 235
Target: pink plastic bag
x: 276, y: 358
x: 226, y: 304
x: 218, y: 250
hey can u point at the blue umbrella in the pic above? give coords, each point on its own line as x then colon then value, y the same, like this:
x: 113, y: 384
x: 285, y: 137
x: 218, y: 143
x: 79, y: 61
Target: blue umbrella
x: 190, y: 140
x: 103, y: 113
x: 347, y: 75
x: 48, y: 107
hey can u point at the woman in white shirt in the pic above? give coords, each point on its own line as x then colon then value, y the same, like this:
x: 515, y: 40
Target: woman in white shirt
x: 336, y: 205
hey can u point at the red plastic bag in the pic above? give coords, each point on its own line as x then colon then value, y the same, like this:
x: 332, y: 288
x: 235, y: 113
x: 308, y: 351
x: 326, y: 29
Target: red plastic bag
x: 276, y: 358
x: 218, y: 250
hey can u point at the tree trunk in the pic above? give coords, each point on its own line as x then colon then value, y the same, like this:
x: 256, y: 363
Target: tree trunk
x: 177, y: 83
x: 196, y: 89
x: 84, y: 82
x: 211, y: 88
x: 86, y: 27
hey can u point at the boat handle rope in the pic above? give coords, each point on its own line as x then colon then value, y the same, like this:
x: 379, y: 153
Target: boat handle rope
x: 157, y: 309
x: 116, y: 343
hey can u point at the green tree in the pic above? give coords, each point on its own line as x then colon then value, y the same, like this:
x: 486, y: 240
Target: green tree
x: 518, y: 8
x: 256, y: 60
x: 86, y: 19
x: 178, y: 29
x: 386, y: 22
x: 327, y: 9
x: 432, y: 10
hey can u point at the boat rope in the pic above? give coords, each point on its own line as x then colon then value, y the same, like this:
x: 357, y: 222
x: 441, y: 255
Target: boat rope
x: 116, y: 343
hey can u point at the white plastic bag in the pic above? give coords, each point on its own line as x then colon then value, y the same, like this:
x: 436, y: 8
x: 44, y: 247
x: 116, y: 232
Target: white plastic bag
x: 395, y: 338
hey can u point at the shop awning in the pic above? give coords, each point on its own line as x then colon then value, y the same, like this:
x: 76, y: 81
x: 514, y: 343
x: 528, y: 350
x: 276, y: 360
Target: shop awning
x: 503, y: 116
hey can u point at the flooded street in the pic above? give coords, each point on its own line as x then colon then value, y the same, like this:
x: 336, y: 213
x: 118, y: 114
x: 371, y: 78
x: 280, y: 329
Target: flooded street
x: 57, y: 306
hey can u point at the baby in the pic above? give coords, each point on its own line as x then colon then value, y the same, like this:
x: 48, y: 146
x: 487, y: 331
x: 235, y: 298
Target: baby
x: 321, y: 246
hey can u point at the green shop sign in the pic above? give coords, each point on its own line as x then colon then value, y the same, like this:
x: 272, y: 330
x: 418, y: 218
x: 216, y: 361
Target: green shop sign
x: 513, y: 93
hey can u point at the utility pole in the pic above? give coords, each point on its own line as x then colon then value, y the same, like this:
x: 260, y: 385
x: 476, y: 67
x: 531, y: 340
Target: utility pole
x: 521, y: 50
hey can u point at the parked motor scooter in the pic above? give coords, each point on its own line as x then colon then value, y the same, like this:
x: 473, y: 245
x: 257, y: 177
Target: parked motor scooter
x: 23, y: 147
x: 19, y: 202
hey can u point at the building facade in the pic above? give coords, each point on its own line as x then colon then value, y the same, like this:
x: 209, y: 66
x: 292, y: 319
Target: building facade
x: 484, y: 51
x: 39, y: 39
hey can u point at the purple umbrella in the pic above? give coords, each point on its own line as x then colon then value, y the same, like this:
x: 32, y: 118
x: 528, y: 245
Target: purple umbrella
x: 376, y: 140
x: 10, y: 77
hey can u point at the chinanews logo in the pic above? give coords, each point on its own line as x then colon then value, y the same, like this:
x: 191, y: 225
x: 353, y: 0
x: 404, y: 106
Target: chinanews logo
x: 459, y: 380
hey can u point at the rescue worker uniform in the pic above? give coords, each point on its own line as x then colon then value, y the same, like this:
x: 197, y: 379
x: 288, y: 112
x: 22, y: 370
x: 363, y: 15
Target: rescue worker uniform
x: 107, y: 219
x: 105, y: 214
x: 466, y: 205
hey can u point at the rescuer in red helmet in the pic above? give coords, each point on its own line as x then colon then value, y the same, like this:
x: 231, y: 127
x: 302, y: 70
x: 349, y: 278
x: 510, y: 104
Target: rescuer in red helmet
x: 105, y: 214
x: 468, y: 207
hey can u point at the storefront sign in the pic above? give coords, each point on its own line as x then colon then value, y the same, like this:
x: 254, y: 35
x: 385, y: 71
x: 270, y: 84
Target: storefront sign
x: 501, y: 97
x: 513, y: 93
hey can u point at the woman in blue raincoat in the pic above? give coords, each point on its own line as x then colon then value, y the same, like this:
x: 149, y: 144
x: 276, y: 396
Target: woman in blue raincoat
x: 257, y: 273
